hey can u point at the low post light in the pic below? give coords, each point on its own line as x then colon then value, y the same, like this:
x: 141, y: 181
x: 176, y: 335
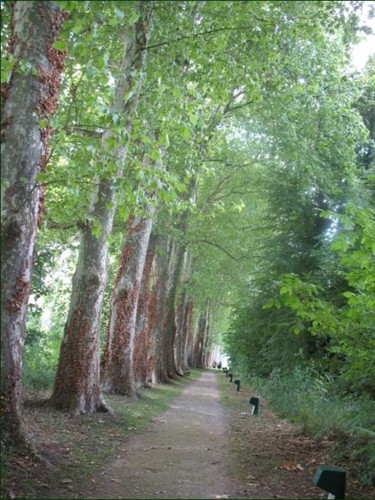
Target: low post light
x: 255, y: 402
x: 332, y: 480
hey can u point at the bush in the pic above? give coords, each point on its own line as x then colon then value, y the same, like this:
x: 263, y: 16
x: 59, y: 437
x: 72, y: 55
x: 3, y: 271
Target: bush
x: 38, y: 369
x: 311, y: 399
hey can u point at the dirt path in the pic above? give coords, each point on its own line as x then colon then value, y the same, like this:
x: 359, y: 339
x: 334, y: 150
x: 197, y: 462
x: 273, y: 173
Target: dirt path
x: 185, y: 454
x: 201, y: 447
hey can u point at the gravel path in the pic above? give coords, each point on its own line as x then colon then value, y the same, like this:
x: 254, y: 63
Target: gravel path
x: 183, y: 455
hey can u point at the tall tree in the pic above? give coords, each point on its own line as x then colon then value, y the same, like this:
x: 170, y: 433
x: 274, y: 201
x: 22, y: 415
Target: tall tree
x: 182, y: 316
x: 77, y: 384
x: 29, y: 99
x: 145, y: 317
x: 163, y: 290
x: 118, y: 374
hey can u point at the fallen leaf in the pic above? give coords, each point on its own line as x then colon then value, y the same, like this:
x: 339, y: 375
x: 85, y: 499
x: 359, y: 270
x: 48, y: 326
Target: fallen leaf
x: 288, y: 466
x: 67, y: 481
x: 299, y: 467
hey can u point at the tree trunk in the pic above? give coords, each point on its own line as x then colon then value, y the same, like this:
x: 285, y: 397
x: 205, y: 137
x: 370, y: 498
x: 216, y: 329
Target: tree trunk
x: 201, y: 338
x: 188, y: 355
x: 176, y: 265
x: 159, y: 298
x: 207, y: 334
x: 29, y: 97
x: 145, y: 318
x: 118, y: 374
x: 168, y: 263
x: 118, y: 358
x: 181, y: 318
x: 77, y: 384
x: 180, y: 332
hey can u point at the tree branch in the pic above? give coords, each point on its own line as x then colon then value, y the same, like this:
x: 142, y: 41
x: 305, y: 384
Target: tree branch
x: 58, y: 225
x: 236, y: 259
x: 84, y: 132
x: 202, y: 33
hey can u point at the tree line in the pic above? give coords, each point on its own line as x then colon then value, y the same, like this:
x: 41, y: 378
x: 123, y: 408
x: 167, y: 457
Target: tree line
x: 206, y: 168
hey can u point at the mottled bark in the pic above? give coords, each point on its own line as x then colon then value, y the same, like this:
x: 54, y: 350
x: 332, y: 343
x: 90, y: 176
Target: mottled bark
x: 189, y: 345
x: 207, y: 339
x: 30, y: 96
x: 199, y: 358
x: 158, y: 363
x: 180, y: 333
x: 170, y: 328
x: 167, y: 268
x: 182, y: 311
x: 118, y: 357
x: 118, y: 363
x: 161, y: 310
x: 77, y: 384
x: 199, y: 340
x: 145, y: 318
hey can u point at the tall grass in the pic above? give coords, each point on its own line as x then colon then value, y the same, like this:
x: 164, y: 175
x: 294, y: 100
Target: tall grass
x: 312, y: 400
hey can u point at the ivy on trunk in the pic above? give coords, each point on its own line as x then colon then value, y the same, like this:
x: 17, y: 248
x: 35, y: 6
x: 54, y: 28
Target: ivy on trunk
x: 29, y: 99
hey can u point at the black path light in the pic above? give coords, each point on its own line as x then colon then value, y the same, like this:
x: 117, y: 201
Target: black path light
x: 332, y: 480
x: 230, y: 375
x: 238, y: 383
x: 255, y: 402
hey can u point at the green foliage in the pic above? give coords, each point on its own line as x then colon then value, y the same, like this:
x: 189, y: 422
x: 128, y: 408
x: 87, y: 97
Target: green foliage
x: 349, y: 326
x: 48, y: 308
x: 263, y: 129
x: 310, y: 398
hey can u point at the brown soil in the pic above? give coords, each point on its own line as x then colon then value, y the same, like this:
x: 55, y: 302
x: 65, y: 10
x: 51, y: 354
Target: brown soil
x: 201, y: 447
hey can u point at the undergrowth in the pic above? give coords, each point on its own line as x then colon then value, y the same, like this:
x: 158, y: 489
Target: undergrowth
x: 311, y: 400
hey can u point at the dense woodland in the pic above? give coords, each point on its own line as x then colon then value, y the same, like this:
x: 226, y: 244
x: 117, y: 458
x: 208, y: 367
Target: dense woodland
x: 183, y: 179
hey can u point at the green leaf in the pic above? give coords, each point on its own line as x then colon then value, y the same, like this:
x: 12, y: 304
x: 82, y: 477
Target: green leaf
x: 96, y: 229
x: 111, y: 143
x: 59, y: 45
x: 43, y: 123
